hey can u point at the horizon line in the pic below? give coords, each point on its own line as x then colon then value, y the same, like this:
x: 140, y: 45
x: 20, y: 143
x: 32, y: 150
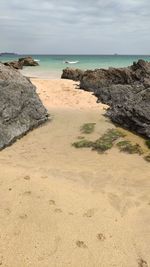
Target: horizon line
x: 54, y: 54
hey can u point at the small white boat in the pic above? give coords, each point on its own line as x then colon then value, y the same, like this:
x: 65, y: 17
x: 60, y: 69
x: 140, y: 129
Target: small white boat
x: 71, y: 62
x: 37, y: 60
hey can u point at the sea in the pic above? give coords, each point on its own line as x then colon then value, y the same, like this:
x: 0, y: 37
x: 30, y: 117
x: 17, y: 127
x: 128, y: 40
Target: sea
x: 51, y: 66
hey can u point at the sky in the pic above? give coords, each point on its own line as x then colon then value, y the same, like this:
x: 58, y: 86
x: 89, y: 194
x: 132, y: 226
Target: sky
x: 75, y: 26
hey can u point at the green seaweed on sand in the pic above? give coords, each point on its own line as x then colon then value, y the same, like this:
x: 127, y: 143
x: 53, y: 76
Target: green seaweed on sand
x: 87, y: 128
x: 123, y: 144
x: 147, y: 157
x: 114, y: 134
x: 107, y: 140
x: 147, y: 142
x: 128, y: 147
x: 103, y: 143
x: 83, y: 143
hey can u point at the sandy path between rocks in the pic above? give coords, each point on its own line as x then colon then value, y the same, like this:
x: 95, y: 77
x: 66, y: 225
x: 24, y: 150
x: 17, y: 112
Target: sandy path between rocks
x: 65, y: 207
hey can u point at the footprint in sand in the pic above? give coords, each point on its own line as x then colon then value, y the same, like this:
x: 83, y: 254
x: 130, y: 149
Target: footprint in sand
x: 81, y: 244
x: 89, y: 213
x: 142, y: 263
x: 52, y: 202
x: 101, y: 237
x: 58, y: 210
x: 23, y: 216
x: 8, y: 211
x: 27, y: 177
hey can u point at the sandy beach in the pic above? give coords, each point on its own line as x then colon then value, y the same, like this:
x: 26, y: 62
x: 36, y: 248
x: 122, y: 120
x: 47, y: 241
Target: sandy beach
x: 61, y: 206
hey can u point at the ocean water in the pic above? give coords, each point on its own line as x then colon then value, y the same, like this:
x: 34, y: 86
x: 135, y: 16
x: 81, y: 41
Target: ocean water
x: 51, y: 66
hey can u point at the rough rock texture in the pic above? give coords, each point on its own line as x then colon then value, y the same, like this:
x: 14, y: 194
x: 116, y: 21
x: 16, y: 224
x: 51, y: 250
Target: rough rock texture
x: 26, y: 61
x: 138, y: 73
x: 20, y: 107
x: 126, y: 91
x: 14, y: 64
x: 72, y: 74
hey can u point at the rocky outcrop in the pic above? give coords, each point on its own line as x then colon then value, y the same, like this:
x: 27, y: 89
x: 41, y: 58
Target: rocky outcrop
x: 14, y: 64
x: 21, y: 110
x: 72, y: 74
x: 26, y: 61
x: 138, y: 73
x: 129, y: 106
x: 126, y: 91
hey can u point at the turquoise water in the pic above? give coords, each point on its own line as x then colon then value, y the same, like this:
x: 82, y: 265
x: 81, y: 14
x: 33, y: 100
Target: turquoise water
x: 51, y: 65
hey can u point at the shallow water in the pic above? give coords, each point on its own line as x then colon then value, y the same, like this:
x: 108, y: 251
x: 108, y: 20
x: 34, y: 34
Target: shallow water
x: 51, y: 66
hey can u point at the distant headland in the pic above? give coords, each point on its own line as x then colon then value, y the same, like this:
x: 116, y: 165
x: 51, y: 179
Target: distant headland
x: 8, y: 54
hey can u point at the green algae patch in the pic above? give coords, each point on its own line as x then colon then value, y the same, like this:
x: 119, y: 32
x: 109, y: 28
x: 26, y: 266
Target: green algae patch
x: 83, y: 143
x: 147, y: 157
x: 88, y: 128
x: 128, y: 147
x: 147, y: 143
x: 107, y: 140
x: 113, y: 134
x: 102, y: 145
x: 123, y: 144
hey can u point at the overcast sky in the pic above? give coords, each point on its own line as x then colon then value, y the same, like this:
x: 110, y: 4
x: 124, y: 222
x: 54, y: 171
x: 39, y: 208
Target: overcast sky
x: 75, y: 26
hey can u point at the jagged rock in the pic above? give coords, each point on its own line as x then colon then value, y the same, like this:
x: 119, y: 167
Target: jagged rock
x: 126, y: 91
x: 14, y: 64
x: 72, y: 74
x: 21, y: 109
x: 131, y: 110
x: 138, y: 73
x: 28, y: 61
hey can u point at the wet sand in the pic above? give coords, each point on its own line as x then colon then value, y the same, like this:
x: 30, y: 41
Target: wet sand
x: 62, y: 206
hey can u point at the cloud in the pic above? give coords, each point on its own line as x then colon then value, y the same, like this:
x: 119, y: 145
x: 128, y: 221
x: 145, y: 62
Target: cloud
x: 73, y: 26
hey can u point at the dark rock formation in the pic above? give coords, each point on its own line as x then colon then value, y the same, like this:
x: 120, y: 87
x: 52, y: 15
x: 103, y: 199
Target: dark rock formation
x: 129, y: 106
x: 26, y: 61
x: 138, y: 73
x: 14, y: 64
x: 72, y: 74
x: 20, y: 107
x: 126, y: 91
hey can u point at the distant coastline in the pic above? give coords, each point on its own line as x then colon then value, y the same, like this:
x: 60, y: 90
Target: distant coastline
x: 49, y: 54
x: 8, y: 54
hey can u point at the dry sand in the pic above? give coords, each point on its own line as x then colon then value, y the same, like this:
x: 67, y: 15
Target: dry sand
x: 60, y: 206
